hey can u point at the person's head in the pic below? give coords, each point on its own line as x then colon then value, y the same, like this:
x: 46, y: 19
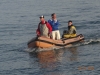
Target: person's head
x: 53, y: 16
x: 41, y: 18
x: 70, y: 23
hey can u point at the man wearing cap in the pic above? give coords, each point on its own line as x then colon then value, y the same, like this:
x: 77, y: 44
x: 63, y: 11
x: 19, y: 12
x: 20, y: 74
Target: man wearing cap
x: 54, y: 24
x: 44, y: 28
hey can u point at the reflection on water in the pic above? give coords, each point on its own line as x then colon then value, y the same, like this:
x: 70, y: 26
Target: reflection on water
x: 51, y: 59
x: 47, y: 58
x: 74, y: 53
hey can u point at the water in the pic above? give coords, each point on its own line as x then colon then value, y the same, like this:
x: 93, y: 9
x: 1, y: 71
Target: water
x: 18, y: 22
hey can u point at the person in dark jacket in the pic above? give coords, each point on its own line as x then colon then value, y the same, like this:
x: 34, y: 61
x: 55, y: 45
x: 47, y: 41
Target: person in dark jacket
x: 71, y: 31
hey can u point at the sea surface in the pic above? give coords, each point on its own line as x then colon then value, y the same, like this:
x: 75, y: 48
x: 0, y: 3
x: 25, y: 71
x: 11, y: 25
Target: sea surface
x: 18, y: 24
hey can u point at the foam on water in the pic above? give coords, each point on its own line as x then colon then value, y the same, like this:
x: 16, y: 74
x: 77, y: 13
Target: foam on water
x: 91, y: 41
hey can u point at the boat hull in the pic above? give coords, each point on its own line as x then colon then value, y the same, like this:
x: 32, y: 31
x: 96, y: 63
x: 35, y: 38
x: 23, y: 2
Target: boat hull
x: 43, y: 42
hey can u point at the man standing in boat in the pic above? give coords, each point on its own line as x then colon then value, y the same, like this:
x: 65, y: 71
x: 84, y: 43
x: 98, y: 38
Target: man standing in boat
x: 71, y: 31
x: 54, y: 24
x: 44, y: 28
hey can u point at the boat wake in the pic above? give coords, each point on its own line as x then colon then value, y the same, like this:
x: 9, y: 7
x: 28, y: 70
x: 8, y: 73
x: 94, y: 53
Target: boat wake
x: 88, y: 42
x: 30, y: 50
x: 92, y: 41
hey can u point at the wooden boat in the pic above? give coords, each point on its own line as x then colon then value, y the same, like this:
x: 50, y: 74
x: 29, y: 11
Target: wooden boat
x: 44, y: 42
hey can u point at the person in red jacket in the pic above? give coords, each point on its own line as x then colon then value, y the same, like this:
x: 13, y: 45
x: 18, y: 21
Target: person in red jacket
x: 44, y: 28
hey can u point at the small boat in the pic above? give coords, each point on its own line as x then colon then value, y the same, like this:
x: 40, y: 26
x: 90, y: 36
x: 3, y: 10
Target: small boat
x: 44, y: 42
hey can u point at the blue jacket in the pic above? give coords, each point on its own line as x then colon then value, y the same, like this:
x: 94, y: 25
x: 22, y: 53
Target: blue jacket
x: 54, y: 24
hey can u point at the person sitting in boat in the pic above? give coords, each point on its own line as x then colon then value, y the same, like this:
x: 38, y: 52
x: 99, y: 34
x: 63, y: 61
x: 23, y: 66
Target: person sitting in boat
x: 44, y: 28
x: 54, y: 24
x: 71, y: 31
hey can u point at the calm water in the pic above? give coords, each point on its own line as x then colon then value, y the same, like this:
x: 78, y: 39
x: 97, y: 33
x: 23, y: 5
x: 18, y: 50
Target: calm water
x: 18, y: 22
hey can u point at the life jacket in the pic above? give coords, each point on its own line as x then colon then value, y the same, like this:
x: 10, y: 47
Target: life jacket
x: 71, y: 29
x: 43, y: 29
x: 70, y: 33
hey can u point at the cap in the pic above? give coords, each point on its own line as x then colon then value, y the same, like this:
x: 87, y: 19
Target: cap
x: 41, y: 16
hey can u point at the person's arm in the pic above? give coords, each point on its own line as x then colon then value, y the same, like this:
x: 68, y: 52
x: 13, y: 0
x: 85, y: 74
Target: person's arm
x: 57, y: 23
x: 49, y: 21
x: 38, y: 30
x: 49, y: 27
x: 56, y: 26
